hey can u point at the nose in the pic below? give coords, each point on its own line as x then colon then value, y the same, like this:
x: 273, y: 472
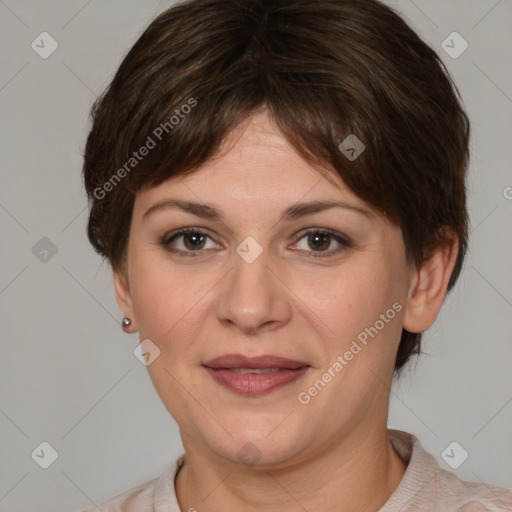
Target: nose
x: 254, y: 297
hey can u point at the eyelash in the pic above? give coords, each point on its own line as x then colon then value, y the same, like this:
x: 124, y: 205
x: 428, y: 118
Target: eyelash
x: 344, y: 241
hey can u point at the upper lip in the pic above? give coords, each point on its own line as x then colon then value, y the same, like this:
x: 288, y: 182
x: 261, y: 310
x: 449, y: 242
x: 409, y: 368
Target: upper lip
x: 265, y: 361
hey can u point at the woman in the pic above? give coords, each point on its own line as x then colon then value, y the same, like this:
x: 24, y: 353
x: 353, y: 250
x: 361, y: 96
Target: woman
x: 279, y: 188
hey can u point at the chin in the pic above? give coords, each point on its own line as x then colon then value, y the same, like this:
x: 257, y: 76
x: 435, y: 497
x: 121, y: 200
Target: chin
x: 261, y: 444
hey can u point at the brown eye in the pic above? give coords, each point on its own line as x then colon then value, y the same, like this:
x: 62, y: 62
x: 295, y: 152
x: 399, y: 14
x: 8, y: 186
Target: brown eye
x: 320, y: 240
x: 187, y: 242
x: 193, y: 241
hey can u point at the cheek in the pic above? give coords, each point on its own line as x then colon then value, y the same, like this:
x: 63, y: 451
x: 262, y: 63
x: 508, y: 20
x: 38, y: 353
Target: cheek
x: 353, y: 298
x: 167, y: 298
x: 363, y: 305
x: 169, y: 303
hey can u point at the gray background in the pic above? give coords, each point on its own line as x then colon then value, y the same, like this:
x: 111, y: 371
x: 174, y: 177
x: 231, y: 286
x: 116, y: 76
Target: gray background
x: 68, y: 375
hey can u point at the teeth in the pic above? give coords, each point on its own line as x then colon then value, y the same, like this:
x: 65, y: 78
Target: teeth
x: 243, y: 371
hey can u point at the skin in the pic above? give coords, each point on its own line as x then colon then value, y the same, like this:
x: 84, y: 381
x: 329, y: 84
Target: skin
x: 332, y: 453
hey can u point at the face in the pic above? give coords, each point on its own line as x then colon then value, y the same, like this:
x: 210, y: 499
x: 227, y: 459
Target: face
x: 323, y: 288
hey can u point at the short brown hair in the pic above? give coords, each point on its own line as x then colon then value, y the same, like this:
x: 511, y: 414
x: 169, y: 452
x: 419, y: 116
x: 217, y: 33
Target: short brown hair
x: 324, y: 69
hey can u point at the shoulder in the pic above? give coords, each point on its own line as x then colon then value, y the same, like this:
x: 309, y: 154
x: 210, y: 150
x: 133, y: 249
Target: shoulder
x: 465, y: 496
x: 136, y: 499
x: 425, y: 486
x: 149, y: 496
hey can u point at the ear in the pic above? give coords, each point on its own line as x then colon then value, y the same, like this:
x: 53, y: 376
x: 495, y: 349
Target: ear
x: 123, y: 297
x: 429, y: 285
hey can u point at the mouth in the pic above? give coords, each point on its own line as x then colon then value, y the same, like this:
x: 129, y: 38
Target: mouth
x: 254, y: 376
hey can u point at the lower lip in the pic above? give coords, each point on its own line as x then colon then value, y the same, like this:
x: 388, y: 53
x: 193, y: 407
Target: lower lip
x: 254, y: 384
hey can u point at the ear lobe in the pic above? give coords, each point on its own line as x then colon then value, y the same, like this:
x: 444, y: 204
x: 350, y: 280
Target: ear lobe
x: 429, y: 286
x: 123, y: 294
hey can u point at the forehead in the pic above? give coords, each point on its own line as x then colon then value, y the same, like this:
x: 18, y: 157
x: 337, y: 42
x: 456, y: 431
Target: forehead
x: 255, y: 166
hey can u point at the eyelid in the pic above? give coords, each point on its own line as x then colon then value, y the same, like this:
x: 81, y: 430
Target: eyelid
x: 342, y: 239
x: 182, y: 231
x: 326, y: 231
x: 166, y: 240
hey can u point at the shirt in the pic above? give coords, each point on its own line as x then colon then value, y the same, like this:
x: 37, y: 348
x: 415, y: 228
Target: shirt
x: 424, y: 487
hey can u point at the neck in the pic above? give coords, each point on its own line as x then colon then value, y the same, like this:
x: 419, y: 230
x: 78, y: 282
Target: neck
x: 360, y: 471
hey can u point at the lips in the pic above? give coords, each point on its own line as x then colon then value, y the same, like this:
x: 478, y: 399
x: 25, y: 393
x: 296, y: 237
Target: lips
x: 260, y: 362
x: 254, y: 376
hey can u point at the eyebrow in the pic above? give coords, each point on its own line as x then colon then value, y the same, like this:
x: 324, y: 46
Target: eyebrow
x: 292, y: 212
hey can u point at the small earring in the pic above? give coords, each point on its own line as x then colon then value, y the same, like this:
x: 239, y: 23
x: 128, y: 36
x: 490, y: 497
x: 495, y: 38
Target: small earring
x: 126, y: 323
